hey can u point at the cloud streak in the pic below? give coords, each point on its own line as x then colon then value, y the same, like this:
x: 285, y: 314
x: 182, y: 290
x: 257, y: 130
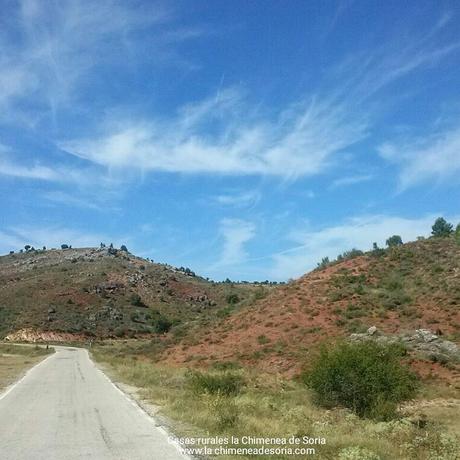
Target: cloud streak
x: 301, y: 141
x: 236, y: 233
x: 422, y: 159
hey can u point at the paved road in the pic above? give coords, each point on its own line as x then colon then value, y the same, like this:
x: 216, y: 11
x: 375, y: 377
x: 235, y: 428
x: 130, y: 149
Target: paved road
x: 65, y: 409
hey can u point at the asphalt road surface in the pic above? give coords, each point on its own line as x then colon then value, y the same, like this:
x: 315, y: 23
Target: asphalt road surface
x: 65, y: 408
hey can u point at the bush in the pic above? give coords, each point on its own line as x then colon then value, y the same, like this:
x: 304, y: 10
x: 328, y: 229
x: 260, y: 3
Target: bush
x: 232, y: 299
x: 225, y: 383
x: 351, y: 254
x: 357, y: 453
x: 224, y: 411
x: 162, y: 325
x: 136, y: 300
x: 365, y: 377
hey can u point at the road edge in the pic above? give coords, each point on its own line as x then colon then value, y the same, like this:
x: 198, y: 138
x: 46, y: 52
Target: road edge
x: 138, y: 405
x: 10, y: 388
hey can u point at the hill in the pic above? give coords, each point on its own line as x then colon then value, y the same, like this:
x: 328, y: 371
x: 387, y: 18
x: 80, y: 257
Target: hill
x: 74, y: 294
x: 403, y: 288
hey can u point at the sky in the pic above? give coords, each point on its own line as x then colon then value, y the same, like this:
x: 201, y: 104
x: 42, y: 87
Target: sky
x: 242, y: 139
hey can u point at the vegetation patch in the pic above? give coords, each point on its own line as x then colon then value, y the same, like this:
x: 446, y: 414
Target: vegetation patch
x: 365, y: 377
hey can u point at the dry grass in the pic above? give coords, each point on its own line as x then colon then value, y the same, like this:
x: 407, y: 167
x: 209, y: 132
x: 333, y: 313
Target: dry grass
x: 269, y: 406
x: 16, y: 359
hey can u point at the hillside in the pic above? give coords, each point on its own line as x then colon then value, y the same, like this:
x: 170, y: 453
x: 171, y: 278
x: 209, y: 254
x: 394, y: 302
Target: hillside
x: 416, y: 285
x: 74, y: 294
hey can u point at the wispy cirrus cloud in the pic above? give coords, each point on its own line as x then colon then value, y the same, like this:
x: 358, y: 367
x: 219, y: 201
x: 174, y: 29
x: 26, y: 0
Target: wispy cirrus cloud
x: 37, y: 172
x: 48, y: 49
x: 235, y: 233
x: 435, y: 157
x: 351, y: 180
x: 301, y: 140
x: 239, y: 199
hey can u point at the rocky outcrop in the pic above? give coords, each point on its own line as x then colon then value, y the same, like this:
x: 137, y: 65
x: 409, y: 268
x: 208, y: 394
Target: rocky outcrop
x: 30, y: 335
x: 422, y: 341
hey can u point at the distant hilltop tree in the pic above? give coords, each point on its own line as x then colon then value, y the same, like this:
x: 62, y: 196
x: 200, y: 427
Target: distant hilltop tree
x: 64, y: 246
x: 102, y: 245
x: 394, y: 241
x: 457, y: 233
x: 324, y: 263
x: 123, y: 248
x: 376, y: 251
x: 27, y: 247
x: 44, y: 248
x: 441, y: 228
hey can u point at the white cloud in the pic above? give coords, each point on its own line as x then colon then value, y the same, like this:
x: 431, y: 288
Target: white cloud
x: 238, y: 199
x: 50, y: 48
x: 436, y: 157
x: 360, y: 232
x: 76, y: 201
x: 351, y: 180
x: 38, y: 172
x: 302, y: 140
x: 33, y: 169
x: 236, y: 234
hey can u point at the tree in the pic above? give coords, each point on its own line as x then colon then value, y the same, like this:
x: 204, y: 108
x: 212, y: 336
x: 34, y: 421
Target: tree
x: 376, y: 251
x: 324, y: 263
x: 394, y: 241
x: 27, y: 247
x: 441, y: 228
x: 123, y: 248
x: 64, y: 246
x: 457, y: 233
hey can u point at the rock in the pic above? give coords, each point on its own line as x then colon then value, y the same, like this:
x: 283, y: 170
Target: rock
x: 422, y: 342
x: 372, y: 330
x: 425, y: 335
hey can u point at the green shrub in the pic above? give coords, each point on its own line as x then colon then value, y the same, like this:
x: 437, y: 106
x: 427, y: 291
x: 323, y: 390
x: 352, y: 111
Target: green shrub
x: 357, y: 453
x: 263, y: 339
x: 365, y: 377
x: 225, y: 383
x: 226, y: 365
x: 232, y: 299
x: 136, y: 300
x: 161, y: 325
x: 223, y: 410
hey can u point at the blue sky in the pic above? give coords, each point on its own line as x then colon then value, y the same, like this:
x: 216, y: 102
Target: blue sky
x: 246, y: 139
